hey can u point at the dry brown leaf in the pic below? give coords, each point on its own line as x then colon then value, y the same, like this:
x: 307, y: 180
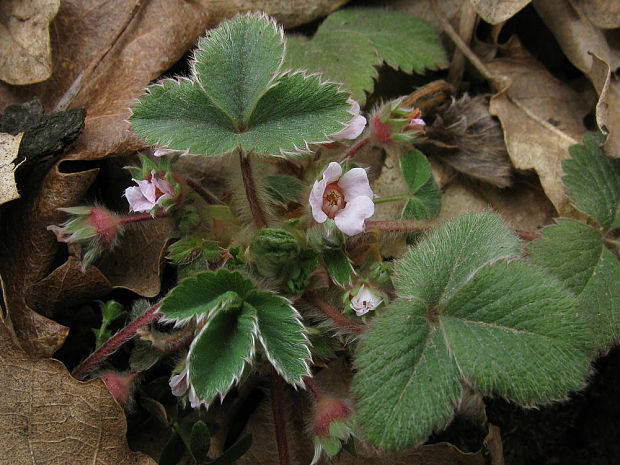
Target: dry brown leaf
x: 450, y: 8
x: 48, y: 417
x: 602, y: 13
x: 25, y: 52
x: 497, y: 11
x: 67, y: 286
x: 28, y: 250
x: 137, y: 262
x: 9, y: 148
x: 608, y: 106
x: 541, y: 117
x: 576, y: 36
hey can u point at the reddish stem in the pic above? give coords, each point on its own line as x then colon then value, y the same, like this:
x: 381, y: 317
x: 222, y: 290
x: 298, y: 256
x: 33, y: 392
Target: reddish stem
x: 314, y: 388
x: 112, y: 344
x: 277, y: 408
x: 527, y: 235
x: 251, y: 192
x: 400, y: 226
x: 356, y: 148
x: 336, y: 315
x: 145, y: 217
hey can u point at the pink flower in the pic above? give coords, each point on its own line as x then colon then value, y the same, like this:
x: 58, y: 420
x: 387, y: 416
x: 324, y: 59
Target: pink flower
x: 365, y: 300
x: 149, y: 192
x: 179, y: 384
x: 346, y: 198
x: 355, y: 126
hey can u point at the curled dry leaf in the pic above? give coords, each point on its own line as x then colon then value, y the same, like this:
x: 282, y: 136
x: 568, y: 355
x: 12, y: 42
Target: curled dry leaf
x: 497, y: 11
x: 28, y: 250
x: 602, y: 13
x: 577, y: 37
x: 541, y: 117
x: 48, y: 417
x: 9, y: 148
x: 608, y: 106
x: 25, y: 52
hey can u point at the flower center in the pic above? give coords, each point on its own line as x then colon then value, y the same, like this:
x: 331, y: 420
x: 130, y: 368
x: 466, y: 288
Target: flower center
x: 333, y: 200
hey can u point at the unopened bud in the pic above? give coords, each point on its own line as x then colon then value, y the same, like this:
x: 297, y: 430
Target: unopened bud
x: 119, y: 386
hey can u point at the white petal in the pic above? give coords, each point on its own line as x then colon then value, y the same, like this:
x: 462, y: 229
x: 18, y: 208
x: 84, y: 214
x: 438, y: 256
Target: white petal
x: 147, y: 188
x: 137, y: 201
x: 353, y: 130
x: 179, y: 383
x: 163, y: 185
x: 354, y: 183
x: 316, y: 201
x: 350, y: 220
x: 332, y: 172
x: 365, y: 300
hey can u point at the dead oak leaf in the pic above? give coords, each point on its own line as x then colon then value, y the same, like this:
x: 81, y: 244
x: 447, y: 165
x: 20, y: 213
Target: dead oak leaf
x: 608, y: 106
x: 602, y: 13
x: 25, y: 52
x: 48, y: 417
x: 9, y: 148
x: 541, y: 117
x: 497, y: 11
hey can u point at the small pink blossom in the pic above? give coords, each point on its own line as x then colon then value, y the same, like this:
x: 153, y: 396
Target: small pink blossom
x: 346, y: 198
x: 355, y: 126
x: 149, y: 192
x: 179, y: 384
x: 365, y: 301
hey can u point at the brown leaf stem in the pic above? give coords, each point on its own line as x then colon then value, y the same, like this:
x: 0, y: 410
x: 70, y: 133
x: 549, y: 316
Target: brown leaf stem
x: 207, y: 196
x: 251, y: 192
x: 145, y: 217
x: 116, y: 341
x: 277, y: 408
x: 318, y: 395
x: 356, y: 148
x: 335, y: 315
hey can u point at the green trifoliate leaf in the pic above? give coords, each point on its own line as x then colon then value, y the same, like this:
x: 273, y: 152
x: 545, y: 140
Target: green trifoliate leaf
x: 282, y: 335
x: 593, y: 181
x: 466, y: 314
x: 457, y: 250
x: 351, y: 43
x: 220, y: 352
x: 338, y: 266
x: 205, y: 293
x: 575, y: 254
x: 239, y: 98
x: 237, y: 62
x: 273, y: 250
x: 424, y: 201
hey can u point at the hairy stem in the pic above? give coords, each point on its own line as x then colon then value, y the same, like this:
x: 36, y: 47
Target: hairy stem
x: 336, y: 315
x: 391, y: 198
x: 145, y: 217
x: 403, y: 226
x: 277, y: 408
x: 356, y: 148
x: 206, y: 195
x: 251, y: 192
x: 318, y: 395
x: 116, y: 341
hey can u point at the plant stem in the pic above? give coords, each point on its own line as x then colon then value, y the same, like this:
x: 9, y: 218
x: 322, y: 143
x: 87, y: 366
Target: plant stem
x: 206, y: 195
x: 277, y: 408
x: 112, y: 344
x: 403, y: 226
x: 526, y: 235
x: 391, y: 198
x: 145, y: 217
x: 318, y: 395
x: 336, y: 315
x: 260, y: 218
x: 356, y: 148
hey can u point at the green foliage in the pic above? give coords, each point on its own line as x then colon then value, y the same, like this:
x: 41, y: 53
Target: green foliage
x: 575, y: 254
x: 238, y: 97
x: 466, y: 313
x: 110, y: 311
x: 282, y: 335
x: 205, y: 293
x: 283, y: 189
x: 220, y: 352
x: 200, y: 440
x: 193, y: 247
x: 593, y: 181
x: 424, y: 200
x: 350, y: 44
x: 338, y: 266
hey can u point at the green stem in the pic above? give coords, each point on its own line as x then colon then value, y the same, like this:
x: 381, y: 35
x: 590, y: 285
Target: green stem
x: 251, y: 192
x: 392, y: 198
x: 184, y: 438
x: 277, y: 408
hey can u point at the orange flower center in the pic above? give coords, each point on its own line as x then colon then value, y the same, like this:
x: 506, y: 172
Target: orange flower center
x: 333, y: 200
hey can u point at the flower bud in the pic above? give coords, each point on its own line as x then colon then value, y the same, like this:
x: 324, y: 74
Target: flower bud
x: 119, y: 386
x: 333, y: 424
x: 394, y: 123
